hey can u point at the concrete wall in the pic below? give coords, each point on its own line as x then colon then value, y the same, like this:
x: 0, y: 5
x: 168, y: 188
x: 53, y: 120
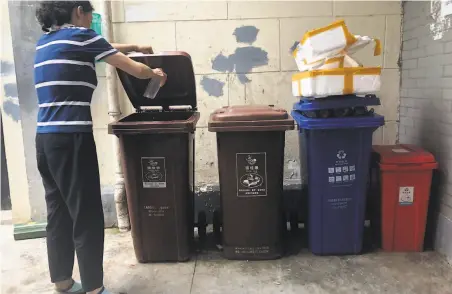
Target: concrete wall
x: 426, y: 101
x: 240, y: 52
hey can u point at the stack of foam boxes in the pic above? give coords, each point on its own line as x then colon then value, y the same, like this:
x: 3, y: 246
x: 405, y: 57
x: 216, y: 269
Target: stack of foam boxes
x: 336, y: 126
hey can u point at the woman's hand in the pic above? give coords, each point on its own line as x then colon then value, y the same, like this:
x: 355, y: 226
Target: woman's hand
x: 144, y: 49
x: 134, y: 68
x: 160, y: 74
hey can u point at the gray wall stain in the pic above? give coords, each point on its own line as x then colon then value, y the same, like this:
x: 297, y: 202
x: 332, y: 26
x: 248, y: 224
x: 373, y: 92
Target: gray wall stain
x: 213, y: 87
x: 12, y: 110
x: 246, y: 34
x: 10, y: 90
x: 9, y: 107
x: 222, y: 63
x: 244, y: 59
x: 6, y: 68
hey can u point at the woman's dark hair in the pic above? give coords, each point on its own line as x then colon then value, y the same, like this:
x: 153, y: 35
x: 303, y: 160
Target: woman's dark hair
x: 50, y: 13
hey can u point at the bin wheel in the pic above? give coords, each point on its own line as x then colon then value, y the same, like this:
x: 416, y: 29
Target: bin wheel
x: 202, y: 225
x: 293, y: 220
x: 217, y: 226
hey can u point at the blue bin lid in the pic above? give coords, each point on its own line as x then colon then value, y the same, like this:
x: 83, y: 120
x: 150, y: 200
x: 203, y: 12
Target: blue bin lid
x: 371, y: 121
x: 334, y: 102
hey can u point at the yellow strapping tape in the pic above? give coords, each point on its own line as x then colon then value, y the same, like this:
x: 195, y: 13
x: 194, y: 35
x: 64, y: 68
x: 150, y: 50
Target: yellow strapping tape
x: 377, y: 50
x: 341, y: 62
x: 348, y: 83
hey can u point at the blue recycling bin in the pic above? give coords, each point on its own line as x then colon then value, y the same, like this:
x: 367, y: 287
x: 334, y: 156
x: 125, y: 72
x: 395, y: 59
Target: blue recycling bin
x: 335, y: 148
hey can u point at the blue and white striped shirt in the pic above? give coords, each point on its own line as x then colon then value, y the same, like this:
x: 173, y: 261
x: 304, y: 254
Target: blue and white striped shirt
x: 65, y: 78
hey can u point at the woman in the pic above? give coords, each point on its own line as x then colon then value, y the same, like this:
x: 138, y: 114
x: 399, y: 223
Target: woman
x: 65, y: 79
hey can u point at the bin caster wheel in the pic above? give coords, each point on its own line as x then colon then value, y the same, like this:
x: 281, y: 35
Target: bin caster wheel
x: 217, y: 226
x: 293, y: 220
x: 202, y: 225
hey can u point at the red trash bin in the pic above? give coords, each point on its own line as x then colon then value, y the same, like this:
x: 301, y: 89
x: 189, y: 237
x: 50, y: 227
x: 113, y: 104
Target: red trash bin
x: 406, y: 177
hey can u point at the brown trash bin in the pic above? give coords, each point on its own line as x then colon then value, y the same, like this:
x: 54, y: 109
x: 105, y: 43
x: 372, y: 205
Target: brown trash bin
x: 157, y: 153
x: 250, y: 141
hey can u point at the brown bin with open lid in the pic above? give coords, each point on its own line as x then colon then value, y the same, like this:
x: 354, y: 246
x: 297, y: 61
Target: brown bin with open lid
x: 157, y: 153
x: 250, y: 141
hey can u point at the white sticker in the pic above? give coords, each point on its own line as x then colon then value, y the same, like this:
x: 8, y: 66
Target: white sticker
x: 331, y: 170
x: 400, y: 150
x: 345, y: 169
x: 352, y: 177
x: 352, y: 168
x: 338, y: 179
x: 251, y: 173
x: 345, y: 178
x: 331, y: 180
x: 338, y: 170
x: 153, y: 172
x: 406, y: 195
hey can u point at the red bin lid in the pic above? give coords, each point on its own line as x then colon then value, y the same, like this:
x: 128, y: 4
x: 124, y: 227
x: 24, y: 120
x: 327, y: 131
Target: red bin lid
x: 403, y: 154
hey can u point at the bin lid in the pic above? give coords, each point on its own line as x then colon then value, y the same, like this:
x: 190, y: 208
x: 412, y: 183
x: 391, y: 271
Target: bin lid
x: 334, y: 102
x: 402, y: 154
x: 250, y: 118
x: 180, y: 88
x: 370, y: 121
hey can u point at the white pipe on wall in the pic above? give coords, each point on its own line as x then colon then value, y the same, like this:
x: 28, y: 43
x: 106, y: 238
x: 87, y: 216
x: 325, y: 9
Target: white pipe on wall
x: 114, y: 112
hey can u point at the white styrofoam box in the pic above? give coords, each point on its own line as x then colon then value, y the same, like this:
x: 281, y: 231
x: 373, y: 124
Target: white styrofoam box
x: 321, y: 43
x: 331, y: 63
x: 339, y: 81
x: 328, y: 42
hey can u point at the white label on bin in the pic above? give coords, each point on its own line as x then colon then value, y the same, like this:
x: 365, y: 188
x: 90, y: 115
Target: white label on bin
x: 252, y: 250
x: 339, y: 203
x: 156, y: 211
x: 406, y: 195
x: 153, y: 172
x: 251, y: 173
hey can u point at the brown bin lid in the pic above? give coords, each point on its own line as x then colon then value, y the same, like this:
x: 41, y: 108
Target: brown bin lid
x: 180, y: 88
x: 155, y: 122
x: 242, y: 118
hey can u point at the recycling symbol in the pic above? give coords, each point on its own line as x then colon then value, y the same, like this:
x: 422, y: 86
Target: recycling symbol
x: 341, y: 154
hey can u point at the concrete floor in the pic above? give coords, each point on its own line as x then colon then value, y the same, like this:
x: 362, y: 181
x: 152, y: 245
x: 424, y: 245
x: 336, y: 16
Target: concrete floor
x: 24, y: 270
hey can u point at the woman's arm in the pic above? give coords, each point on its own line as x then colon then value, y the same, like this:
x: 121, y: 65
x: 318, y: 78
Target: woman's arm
x: 126, y: 48
x: 136, y: 69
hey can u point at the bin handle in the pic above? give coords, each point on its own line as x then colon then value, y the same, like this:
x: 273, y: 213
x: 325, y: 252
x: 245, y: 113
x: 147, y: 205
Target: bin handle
x: 409, y: 166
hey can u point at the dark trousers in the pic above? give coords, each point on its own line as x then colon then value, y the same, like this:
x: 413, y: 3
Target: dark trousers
x: 75, y: 221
